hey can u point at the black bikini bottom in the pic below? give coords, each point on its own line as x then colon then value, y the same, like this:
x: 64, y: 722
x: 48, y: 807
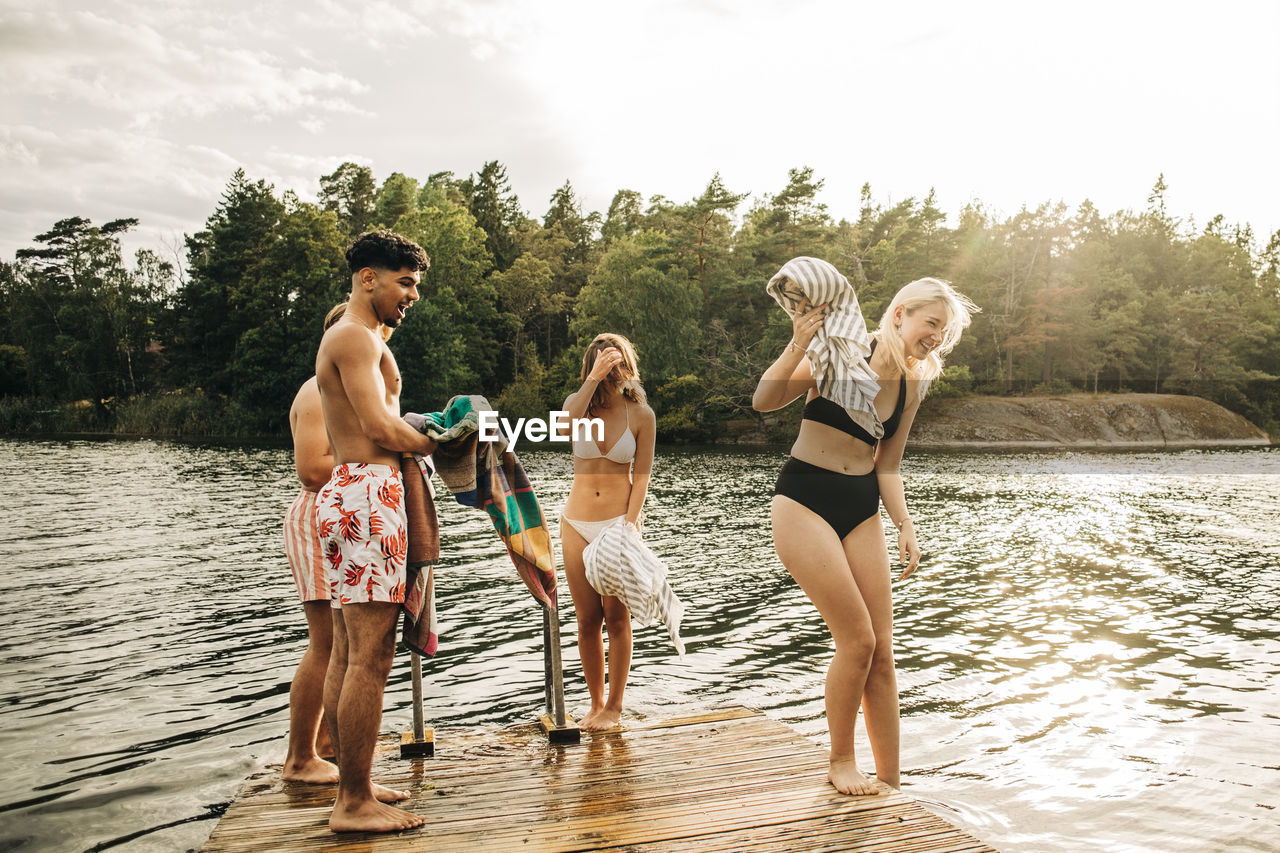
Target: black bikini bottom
x: 842, y: 500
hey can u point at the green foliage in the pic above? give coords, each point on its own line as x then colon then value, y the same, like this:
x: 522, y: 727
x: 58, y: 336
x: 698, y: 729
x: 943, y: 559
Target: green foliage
x: 13, y: 370
x: 398, y: 197
x: 34, y: 415
x: 447, y: 343
x: 955, y: 381
x: 526, y: 397
x: 658, y: 310
x: 679, y: 404
x: 218, y: 302
x: 81, y: 318
x: 1054, y: 388
x: 349, y: 193
x: 299, y: 275
x: 1071, y: 300
x: 185, y: 413
x: 496, y: 210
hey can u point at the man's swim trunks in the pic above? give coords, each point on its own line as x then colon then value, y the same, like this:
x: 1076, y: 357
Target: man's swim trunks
x: 302, y: 548
x: 361, y: 521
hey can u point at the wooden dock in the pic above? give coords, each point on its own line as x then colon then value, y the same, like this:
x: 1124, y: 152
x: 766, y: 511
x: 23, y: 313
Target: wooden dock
x: 729, y: 781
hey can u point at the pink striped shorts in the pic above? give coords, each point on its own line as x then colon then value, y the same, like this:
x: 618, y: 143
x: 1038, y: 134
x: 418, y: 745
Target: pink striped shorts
x: 302, y: 548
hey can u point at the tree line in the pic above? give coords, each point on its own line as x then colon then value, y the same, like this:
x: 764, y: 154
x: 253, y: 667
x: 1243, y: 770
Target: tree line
x: 216, y: 337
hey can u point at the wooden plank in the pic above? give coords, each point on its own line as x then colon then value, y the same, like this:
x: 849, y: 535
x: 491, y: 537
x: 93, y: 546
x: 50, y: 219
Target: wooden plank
x: 727, y: 780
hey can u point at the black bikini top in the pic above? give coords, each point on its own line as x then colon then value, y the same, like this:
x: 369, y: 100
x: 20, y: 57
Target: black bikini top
x: 831, y: 413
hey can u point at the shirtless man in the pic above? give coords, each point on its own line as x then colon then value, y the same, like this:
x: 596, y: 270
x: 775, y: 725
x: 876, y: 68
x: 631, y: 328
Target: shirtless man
x: 313, y: 460
x: 361, y: 519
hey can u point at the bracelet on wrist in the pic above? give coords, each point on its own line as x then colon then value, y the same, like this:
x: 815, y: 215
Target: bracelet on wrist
x: 899, y: 524
x: 795, y: 346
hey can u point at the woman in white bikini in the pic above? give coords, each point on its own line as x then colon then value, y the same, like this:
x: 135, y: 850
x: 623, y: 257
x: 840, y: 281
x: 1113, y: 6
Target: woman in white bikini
x: 608, y: 484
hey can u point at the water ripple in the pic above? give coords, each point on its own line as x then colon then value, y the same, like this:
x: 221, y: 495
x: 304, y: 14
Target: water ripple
x: 1090, y: 649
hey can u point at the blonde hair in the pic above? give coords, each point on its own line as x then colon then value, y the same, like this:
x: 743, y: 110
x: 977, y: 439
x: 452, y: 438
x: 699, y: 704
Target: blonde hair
x: 336, y: 312
x: 911, y: 298
x: 625, y: 376
x: 334, y: 315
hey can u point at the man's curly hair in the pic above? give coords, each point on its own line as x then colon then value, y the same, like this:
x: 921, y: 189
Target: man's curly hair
x: 385, y: 249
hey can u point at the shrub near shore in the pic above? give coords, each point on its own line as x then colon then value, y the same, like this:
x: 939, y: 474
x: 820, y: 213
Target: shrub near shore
x: 192, y: 414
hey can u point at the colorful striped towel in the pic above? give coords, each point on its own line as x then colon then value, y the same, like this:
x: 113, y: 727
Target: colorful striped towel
x: 839, y: 350
x: 481, y: 474
x: 618, y: 563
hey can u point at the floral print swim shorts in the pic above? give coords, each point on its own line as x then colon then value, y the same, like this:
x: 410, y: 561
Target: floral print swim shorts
x: 362, y: 527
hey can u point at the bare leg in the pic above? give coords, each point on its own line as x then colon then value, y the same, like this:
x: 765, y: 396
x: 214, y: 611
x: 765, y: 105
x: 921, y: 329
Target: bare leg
x: 332, y: 693
x: 869, y: 561
x: 306, y: 703
x: 617, y: 622
x: 333, y: 680
x: 812, y: 553
x: 590, y: 615
x: 369, y: 643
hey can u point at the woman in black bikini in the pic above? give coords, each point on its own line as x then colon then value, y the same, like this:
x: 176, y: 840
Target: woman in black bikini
x: 826, y: 509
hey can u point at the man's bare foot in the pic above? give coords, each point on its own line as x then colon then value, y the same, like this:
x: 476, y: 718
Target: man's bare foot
x: 317, y: 771
x: 848, y: 779
x: 372, y: 816
x: 383, y: 794
x: 601, y: 721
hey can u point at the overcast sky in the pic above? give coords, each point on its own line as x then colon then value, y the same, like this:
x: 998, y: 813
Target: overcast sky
x: 145, y: 108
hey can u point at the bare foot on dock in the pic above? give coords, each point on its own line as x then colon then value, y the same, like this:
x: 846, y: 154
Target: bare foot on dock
x: 317, y: 771
x: 601, y: 721
x: 372, y: 816
x: 848, y: 779
x: 383, y: 794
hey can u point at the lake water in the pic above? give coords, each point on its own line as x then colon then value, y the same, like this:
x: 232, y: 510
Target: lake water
x: 1089, y: 656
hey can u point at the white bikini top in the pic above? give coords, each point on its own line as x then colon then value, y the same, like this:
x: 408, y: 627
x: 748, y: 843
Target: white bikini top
x: 623, y: 450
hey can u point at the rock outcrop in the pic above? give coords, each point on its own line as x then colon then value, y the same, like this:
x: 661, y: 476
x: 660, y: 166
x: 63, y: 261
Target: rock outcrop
x: 1082, y: 420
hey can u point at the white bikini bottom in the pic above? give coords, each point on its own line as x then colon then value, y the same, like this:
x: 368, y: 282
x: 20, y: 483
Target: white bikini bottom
x: 588, y: 530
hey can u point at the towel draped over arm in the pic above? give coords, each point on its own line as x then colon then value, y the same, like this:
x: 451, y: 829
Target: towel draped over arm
x: 484, y: 475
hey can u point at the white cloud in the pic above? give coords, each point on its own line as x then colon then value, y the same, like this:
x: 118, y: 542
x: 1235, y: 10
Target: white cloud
x: 130, y: 67
x: 144, y: 108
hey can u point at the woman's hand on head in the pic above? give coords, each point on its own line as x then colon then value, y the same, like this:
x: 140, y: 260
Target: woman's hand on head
x: 606, y: 361
x: 806, y: 322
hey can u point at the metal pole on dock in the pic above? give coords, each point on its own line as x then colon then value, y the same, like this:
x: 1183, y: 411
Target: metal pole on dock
x: 548, y: 681
x: 421, y: 742
x: 416, y: 671
x: 557, y: 725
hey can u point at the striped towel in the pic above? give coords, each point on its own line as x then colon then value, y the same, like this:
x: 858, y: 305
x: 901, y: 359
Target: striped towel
x: 839, y: 350
x: 618, y: 563
x: 481, y: 475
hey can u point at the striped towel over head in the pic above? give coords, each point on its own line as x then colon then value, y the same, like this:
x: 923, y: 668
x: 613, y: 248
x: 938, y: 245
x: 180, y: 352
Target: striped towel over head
x: 618, y: 563
x: 838, y: 352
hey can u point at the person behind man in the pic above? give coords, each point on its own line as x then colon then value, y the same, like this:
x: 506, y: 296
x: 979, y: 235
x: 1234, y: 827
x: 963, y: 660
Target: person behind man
x: 313, y: 460
x: 361, y: 519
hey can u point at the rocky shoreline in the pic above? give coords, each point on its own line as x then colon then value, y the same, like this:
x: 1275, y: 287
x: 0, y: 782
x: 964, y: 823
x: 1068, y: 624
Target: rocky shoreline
x: 1084, y: 421
x: 1065, y: 422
